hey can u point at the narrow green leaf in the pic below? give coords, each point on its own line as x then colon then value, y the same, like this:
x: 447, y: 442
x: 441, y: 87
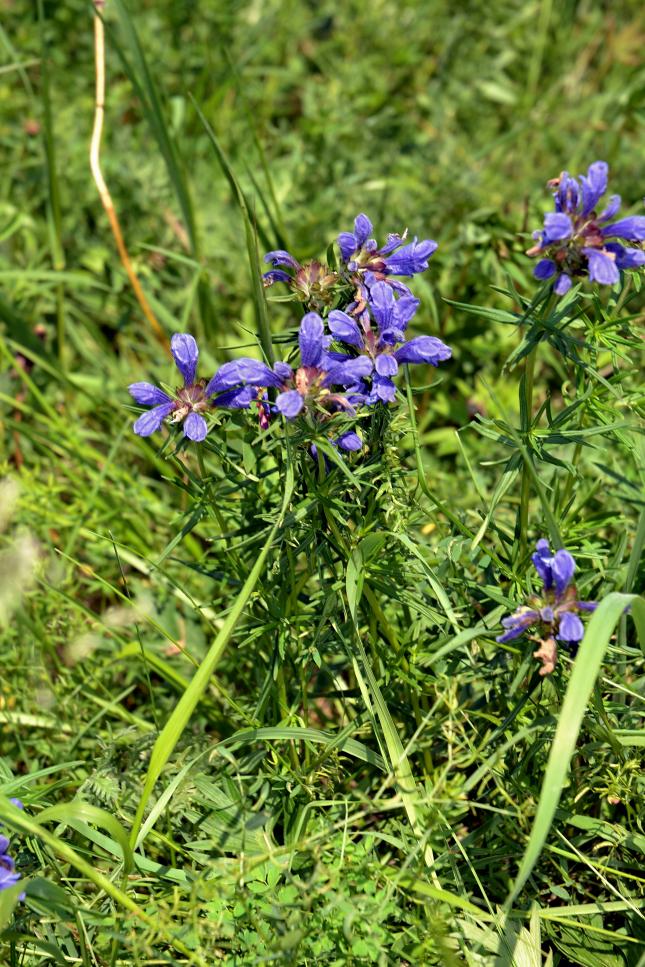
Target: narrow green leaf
x: 259, y: 300
x: 354, y: 576
x: 350, y: 746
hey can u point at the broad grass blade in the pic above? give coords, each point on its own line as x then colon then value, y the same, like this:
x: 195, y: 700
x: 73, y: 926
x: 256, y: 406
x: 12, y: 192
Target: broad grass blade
x: 78, y: 811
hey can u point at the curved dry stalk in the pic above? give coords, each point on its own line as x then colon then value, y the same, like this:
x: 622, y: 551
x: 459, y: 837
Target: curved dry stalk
x: 97, y: 174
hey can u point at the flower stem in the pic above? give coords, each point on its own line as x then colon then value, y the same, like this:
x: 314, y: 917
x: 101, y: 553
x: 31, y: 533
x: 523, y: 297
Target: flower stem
x: 423, y: 483
x: 526, y: 396
x: 529, y: 472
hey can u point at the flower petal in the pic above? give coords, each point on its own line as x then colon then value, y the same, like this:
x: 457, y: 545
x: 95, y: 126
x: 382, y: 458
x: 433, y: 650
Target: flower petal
x: 344, y: 328
x: 393, y: 240
x: 517, y: 623
x: 632, y: 229
x: 571, y: 628
x: 239, y: 398
x: 544, y: 269
x: 384, y: 389
x: 563, y: 284
x: 280, y: 257
x: 612, y: 208
x: 563, y: 568
x: 290, y: 403
x: 406, y: 307
x: 347, y: 244
x: 185, y: 353
x: 542, y: 560
x: 147, y: 394
x: 626, y: 258
x: 594, y: 185
x: 243, y: 370
x: 350, y: 441
x: 275, y: 275
x: 386, y: 365
x: 566, y: 197
x: 423, y: 349
x: 283, y: 371
x: 152, y: 420
x: 195, y: 427
x: 347, y: 373
x: 383, y: 304
x: 310, y: 339
x: 602, y: 266
x: 411, y: 259
x: 557, y: 226
x: 362, y: 229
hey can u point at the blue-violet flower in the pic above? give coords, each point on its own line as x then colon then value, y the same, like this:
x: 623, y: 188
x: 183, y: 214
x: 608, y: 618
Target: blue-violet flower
x: 362, y: 256
x: 313, y: 385
x: 576, y: 240
x: 187, y: 403
x: 554, y: 612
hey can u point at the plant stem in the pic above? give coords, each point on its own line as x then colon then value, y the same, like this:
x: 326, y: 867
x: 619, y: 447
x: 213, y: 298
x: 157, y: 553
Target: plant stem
x: 526, y: 393
x: 526, y: 420
x: 423, y: 484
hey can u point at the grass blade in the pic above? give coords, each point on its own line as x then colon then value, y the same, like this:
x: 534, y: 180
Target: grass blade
x: 70, y: 813
x: 261, y: 316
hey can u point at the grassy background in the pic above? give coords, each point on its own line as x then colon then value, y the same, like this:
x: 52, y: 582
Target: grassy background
x: 449, y: 121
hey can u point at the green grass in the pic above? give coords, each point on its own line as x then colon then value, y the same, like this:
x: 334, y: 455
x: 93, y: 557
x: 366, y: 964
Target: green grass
x: 257, y: 715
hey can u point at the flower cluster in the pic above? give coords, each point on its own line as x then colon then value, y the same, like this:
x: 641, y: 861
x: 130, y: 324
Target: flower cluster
x: 8, y: 875
x: 348, y: 358
x: 363, y: 264
x: 577, y: 241
x: 554, y: 612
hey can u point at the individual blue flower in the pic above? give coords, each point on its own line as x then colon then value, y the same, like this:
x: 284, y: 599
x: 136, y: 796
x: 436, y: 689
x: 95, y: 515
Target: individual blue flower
x: 8, y: 875
x: 188, y: 402
x: 578, y: 242
x: 381, y: 345
x: 554, y: 612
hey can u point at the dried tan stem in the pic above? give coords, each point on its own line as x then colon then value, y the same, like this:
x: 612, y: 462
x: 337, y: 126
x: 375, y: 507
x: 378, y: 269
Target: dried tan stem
x: 97, y: 174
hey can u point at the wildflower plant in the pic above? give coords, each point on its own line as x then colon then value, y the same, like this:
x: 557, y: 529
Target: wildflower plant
x: 553, y: 614
x: 325, y: 648
x: 348, y: 357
